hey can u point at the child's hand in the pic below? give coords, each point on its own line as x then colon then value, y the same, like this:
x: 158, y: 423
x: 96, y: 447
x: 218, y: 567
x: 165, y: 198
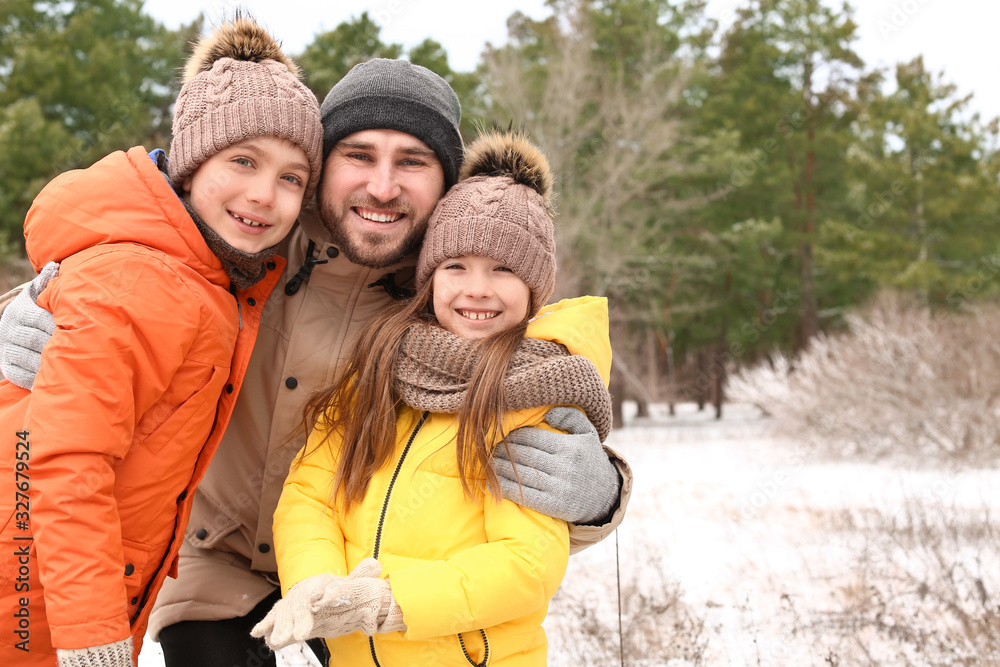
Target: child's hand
x: 25, y: 328
x: 333, y: 607
x: 291, y: 619
x: 362, y: 601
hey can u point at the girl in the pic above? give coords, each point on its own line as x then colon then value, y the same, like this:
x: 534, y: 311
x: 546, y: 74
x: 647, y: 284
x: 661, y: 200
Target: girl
x: 163, y: 274
x: 394, y: 488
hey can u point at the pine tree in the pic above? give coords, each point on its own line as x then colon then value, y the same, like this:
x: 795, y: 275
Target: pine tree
x: 925, y: 195
x: 783, y: 84
x: 79, y: 80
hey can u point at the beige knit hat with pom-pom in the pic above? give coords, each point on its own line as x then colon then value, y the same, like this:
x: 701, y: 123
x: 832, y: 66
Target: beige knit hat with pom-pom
x: 500, y: 208
x: 238, y: 84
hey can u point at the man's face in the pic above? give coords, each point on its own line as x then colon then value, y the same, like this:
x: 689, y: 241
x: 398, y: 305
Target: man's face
x: 379, y: 188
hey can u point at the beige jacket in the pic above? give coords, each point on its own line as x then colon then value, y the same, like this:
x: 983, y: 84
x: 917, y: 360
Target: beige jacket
x: 227, y: 563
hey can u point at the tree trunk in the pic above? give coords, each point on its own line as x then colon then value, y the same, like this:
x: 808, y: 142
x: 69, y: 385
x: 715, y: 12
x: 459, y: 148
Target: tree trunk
x: 641, y: 407
x: 719, y: 376
x: 703, y: 384
x: 652, y: 364
x: 810, y: 309
x: 652, y: 374
x: 617, y: 388
x: 668, y: 351
x: 920, y: 223
x: 719, y: 361
x: 666, y: 340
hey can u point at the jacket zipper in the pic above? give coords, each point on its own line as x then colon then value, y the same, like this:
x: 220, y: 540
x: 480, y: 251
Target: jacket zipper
x: 239, y: 308
x: 144, y: 598
x: 385, y: 509
x: 486, y: 650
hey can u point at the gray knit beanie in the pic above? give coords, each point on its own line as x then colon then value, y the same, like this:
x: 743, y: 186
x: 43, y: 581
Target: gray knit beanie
x: 386, y: 94
x: 239, y: 85
x: 500, y: 209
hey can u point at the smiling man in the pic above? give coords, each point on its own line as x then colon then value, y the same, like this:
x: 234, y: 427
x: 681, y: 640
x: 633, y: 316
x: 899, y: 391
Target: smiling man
x: 377, y: 186
x: 391, y: 149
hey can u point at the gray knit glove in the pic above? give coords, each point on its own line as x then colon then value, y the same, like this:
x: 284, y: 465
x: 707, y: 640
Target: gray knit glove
x: 327, y: 606
x: 567, y: 477
x: 115, y: 654
x: 24, y: 330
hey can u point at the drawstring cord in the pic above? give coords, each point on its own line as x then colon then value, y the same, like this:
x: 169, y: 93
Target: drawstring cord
x: 295, y: 282
x: 388, y: 283
x: 618, y: 576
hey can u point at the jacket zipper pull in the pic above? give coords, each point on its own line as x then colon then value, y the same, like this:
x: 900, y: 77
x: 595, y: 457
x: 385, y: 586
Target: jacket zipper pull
x: 239, y: 313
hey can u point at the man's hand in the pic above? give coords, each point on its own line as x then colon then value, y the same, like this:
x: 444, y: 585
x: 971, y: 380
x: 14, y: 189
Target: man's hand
x: 24, y: 330
x: 567, y: 477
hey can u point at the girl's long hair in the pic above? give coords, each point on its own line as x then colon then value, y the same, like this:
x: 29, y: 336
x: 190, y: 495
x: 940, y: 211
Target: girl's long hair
x: 363, y: 404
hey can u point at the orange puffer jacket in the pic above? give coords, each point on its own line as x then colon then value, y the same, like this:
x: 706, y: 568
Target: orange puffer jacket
x: 102, y: 457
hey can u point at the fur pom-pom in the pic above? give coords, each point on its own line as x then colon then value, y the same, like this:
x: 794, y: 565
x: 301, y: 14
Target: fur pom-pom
x: 508, y: 153
x: 240, y: 39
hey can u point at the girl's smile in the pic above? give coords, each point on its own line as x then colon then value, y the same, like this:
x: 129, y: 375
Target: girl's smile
x: 476, y: 297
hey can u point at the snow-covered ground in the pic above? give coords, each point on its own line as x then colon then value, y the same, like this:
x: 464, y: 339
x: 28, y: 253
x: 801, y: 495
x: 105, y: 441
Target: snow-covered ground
x: 734, y: 546
x: 750, y: 528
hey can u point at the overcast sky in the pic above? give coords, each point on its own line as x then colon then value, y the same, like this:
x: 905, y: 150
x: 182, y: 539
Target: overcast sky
x: 958, y: 37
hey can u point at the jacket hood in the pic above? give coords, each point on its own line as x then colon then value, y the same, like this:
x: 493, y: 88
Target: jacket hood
x: 123, y: 198
x: 581, y: 325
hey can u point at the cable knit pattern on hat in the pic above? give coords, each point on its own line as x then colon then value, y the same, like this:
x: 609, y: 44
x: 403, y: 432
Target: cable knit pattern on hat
x: 240, y: 85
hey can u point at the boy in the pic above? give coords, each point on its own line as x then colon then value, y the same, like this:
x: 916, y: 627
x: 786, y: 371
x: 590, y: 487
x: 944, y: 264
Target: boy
x: 162, y: 280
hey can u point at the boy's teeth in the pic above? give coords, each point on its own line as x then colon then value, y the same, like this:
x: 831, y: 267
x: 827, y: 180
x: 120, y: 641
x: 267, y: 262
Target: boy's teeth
x: 247, y: 221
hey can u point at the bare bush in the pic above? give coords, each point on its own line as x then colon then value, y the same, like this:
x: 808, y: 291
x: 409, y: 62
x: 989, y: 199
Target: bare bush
x: 901, y: 381
x: 14, y: 270
x: 658, y: 627
x: 925, y: 591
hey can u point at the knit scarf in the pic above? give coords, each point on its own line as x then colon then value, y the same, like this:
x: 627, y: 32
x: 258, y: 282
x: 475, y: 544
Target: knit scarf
x: 434, y: 367
x: 245, y: 269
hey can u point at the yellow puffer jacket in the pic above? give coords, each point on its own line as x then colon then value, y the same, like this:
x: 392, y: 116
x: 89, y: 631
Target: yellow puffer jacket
x: 473, y: 579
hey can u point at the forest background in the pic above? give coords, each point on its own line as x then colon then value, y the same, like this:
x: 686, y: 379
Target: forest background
x: 735, y: 192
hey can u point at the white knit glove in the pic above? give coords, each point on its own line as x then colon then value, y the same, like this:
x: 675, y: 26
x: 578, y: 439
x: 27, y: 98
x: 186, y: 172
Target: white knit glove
x: 25, y: 329
x: 291, y: 618
x: 115, y: 654
x: 327, y: 606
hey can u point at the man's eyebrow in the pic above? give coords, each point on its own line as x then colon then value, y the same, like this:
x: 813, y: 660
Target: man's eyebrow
x: 418, y: 151
x: 414, y: 151
x: 355, y: 145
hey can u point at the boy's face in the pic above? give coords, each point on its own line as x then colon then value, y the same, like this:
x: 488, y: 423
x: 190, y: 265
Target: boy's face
x: 379, y: 188
x: 251, y: 192
x: 476, y: 297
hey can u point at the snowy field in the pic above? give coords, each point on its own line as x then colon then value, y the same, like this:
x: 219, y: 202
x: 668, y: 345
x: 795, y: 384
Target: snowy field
x: 740, y: 548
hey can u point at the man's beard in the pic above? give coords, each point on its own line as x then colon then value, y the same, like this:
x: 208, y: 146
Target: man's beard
x: 371, y: 249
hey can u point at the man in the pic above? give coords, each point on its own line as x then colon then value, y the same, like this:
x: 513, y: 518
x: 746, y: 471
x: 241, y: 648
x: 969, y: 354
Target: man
x: 391, y: 149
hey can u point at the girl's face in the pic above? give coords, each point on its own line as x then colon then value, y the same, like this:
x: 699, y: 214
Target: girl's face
x: 251, y: 192
x: 476, y: 297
